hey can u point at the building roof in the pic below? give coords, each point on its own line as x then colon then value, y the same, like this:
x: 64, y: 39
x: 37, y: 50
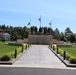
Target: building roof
x: 1, y: 33
x: 4, y: 33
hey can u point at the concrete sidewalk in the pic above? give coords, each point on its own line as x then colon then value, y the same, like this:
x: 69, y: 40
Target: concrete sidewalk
x: 39, y: 55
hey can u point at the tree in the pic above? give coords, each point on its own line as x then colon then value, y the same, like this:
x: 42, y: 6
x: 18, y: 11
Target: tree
x: 4, y: 27
x: 15, y: 37
x: 15, y: 32
x: 68, y: 32
x: 45, y: 30
x: 11, y: 27
x: 32, y: 30
x: 27, y: 33
x: 36, y: 30
x: 72, y: 38
x: 62, y: 37
x: 49, y: 30
x: 41, y: 30
x: 57, y: 34
x: 1, y: 30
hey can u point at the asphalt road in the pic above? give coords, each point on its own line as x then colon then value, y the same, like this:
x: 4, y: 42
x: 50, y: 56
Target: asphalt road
x: 35, y: 71
x: 39, y: 55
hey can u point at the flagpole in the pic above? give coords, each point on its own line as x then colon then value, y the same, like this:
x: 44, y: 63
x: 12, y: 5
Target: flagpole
x: 30, y: 23
x: 40, y: 21
x: 51, y: 24
x: 30, y: 26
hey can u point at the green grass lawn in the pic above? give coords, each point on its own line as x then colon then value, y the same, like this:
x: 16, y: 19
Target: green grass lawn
x: 6, y: 48
x: 71, y: 50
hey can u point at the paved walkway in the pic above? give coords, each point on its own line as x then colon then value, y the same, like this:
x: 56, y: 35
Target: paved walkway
x: 39, y: 55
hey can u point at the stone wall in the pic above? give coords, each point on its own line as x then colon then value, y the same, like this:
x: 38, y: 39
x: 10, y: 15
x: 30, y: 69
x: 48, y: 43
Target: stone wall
x: 55, y: 41
x: 25, y: 40
x: 60, y: 42
x: 40, y: 39
x: 15, y: 43
x: 64, y: 45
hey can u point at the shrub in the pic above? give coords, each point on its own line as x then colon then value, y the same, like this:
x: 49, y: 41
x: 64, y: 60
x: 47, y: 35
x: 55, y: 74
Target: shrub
x: 72, y: 60
x: 10, y: 55
x: 29, y: 45
x: 53, y: 47
x: 68, y: 56
x: 5, y: 58
x: 26, y: 46
x: 3, y: 40
x: 60, y: 52
x: 19, y: 50
x: 50, y: 45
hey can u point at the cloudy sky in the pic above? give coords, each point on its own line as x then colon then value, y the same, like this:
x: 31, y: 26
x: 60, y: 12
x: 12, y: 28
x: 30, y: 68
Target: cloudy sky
x: 62, y: 13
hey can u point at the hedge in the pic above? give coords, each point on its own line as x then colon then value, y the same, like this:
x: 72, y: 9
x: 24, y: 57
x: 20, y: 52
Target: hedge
x: 71, y: 58
x: 9, y: 56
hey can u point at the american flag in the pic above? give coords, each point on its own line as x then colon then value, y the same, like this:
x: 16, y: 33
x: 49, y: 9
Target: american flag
x: 40, y: 19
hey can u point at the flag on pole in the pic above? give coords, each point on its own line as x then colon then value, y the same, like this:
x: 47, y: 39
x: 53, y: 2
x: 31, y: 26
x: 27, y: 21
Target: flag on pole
x: 50, y: 23
x: 40, y: 19
x: 29, y: 23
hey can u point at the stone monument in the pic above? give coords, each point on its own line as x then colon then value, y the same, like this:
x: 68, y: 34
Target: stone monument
x: 40, y: 39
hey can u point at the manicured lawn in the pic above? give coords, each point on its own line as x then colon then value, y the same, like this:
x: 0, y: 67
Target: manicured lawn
x: 6, y: 48
x: 71, y: 50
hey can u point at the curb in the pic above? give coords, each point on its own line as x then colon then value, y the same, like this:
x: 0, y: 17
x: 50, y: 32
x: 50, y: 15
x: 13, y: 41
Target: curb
x: 15, y: 59
x: 61, y: 58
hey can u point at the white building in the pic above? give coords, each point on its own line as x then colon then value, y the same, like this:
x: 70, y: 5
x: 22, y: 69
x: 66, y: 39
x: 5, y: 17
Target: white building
x: 5, y: 36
